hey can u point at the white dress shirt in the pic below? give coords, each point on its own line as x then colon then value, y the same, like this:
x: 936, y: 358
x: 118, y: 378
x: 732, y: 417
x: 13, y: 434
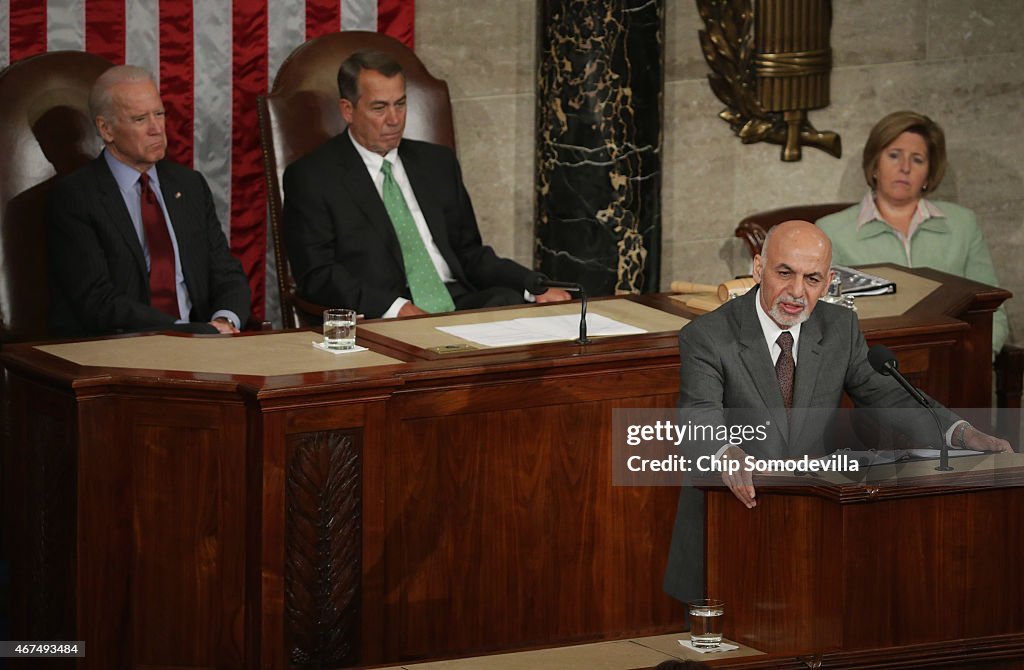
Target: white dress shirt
x: 772, y: 331
x: 374, y: 162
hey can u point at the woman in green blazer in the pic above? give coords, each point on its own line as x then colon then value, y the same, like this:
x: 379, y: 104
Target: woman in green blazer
x: 904, y: 158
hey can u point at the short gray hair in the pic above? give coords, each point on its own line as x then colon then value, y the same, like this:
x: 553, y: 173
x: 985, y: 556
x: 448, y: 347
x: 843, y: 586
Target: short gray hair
x: 367, y: 59
x: 764, y: 245
x: 101, y: 100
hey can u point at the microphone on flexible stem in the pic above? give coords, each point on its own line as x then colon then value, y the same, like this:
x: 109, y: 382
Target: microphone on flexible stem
x: 884, y: 362
x: 538, y: 282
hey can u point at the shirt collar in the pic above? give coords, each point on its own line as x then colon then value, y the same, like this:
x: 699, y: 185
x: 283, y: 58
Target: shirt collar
x: 125, y: 175
x: 373, y: 161
x: 870, y: 221
x: 771, y: 329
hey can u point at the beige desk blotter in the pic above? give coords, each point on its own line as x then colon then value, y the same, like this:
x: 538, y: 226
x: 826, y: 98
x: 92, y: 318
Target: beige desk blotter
x: 259, y: 355
x: 423, y: 333
x: 910, y: 290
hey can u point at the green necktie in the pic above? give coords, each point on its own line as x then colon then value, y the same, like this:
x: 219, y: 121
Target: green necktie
x: 428, y: 291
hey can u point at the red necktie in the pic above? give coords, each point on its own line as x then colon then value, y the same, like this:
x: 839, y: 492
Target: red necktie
x: 163, y: 292
x: 785, y: 368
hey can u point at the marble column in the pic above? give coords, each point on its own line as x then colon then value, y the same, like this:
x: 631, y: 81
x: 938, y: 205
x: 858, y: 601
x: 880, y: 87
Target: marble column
x: 600, y: 77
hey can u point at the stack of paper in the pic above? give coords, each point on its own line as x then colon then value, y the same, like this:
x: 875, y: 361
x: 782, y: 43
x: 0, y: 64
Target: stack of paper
x: 538, y: 329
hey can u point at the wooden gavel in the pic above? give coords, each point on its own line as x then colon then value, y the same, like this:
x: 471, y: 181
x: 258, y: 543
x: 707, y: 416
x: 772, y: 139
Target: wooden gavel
x: 692, y: 287
x: 723, y: 291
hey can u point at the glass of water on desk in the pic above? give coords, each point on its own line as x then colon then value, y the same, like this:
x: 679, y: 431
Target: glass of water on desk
x: 706, y: 617
x: 339, y: 328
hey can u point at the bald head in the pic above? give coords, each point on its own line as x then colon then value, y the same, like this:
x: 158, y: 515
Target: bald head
x: 793, y: 271
x: 798, y: 233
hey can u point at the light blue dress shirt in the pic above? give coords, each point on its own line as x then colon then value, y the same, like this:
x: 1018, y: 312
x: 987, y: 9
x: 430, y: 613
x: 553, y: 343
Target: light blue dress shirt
x: 127, y: 179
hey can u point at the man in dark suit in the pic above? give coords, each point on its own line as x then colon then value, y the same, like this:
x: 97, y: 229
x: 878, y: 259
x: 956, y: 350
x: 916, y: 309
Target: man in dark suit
x: 134, y: 241
x: 383, y: 224
x: 777, y: 357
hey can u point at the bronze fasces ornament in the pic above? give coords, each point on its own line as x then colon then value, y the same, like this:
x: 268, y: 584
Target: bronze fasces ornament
x: 770, y: 62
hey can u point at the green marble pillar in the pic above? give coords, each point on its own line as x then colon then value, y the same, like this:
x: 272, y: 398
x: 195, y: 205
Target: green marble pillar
x: 600, y: 78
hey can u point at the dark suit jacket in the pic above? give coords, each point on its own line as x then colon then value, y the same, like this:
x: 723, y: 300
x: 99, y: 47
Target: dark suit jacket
x: 727, y: 377
x: 341, y: 244
x: 97, y: 266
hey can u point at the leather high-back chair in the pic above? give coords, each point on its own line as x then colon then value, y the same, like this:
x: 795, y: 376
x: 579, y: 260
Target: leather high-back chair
x: 753, y: 229
x: 45, y: 132
x: 301, y: 112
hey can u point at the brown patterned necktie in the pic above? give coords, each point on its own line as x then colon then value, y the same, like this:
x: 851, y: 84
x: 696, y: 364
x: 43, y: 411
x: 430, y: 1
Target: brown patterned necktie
x: 163, y: 292
x: 785, y: 368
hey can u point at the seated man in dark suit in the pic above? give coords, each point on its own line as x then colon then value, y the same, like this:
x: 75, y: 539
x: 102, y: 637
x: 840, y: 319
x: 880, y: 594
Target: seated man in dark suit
x: 383, y: 224
x: 779, y: 358
x: 134, y: 241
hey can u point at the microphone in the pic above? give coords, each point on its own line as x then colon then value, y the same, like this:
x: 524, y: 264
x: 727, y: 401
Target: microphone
x: 538, y: 283
x: 884, y: 362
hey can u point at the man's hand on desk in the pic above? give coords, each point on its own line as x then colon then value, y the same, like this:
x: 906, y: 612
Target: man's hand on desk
x: 223, y: 326
x: 553, y: 295
x: 979, y: 441
x: 409, y: 309
x: 741, y: 482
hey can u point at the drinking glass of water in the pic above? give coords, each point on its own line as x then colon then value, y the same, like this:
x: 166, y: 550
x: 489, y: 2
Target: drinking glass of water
x: 339, y: 328
x: 706, y: 623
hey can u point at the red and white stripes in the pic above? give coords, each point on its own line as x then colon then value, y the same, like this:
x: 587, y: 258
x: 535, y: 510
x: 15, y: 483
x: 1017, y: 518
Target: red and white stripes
x: 211, y: 58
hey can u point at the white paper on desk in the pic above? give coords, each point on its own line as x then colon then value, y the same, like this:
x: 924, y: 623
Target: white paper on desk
x: 538, y: 329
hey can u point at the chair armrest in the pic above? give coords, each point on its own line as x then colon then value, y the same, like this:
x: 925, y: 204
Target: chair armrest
x: 308, y: 314
x: 753, y: 234
x: 254, y: 324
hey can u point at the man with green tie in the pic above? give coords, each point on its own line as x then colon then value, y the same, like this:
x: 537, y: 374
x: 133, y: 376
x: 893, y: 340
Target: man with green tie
x: 383, y: 224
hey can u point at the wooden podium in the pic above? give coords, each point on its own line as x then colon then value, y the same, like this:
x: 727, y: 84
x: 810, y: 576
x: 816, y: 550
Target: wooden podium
x: 174, y: 511
x: 922, y: 562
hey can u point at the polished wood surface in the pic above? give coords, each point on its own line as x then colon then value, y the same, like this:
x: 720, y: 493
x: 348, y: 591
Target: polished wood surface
x: 824, y: 568
x: 945, y: 341
x: 996, y: 652
x: 383, y: 514
x: 445, y: 506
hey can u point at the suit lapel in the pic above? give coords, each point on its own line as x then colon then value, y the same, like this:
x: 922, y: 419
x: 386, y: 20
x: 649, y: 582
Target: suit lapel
x: 113, y: 203
x: 363, y: 194
x: 755, y: 356
x: 807, y: 367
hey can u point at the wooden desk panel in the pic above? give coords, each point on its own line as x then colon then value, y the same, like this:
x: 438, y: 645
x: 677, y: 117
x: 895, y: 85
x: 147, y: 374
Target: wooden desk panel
x: 136, y: 539
x: 827, y: 567
x: 172, y: 517
x: 504, y: 541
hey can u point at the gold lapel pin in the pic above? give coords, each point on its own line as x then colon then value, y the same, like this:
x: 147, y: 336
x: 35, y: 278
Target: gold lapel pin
x: 177, y: 195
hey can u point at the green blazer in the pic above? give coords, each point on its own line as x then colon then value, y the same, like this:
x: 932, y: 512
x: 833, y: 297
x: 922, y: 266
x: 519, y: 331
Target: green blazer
x: 951, y: 243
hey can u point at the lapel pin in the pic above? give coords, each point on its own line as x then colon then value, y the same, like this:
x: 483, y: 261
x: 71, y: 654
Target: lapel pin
x: 177, y: 195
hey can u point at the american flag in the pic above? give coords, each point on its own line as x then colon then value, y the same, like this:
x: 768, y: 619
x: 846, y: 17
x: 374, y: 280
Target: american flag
x: 211, y: 59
